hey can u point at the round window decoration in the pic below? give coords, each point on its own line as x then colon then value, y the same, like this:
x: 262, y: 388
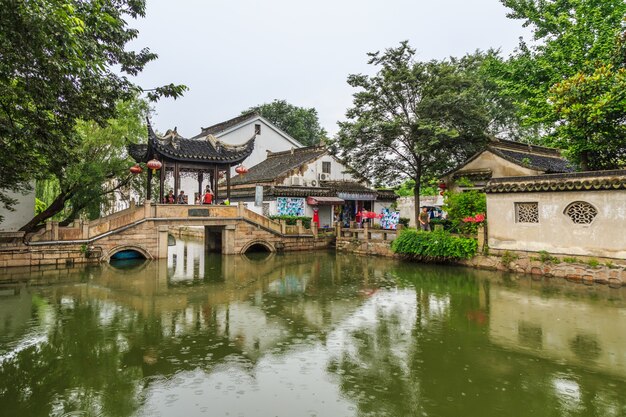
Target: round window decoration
x: 581, y: 212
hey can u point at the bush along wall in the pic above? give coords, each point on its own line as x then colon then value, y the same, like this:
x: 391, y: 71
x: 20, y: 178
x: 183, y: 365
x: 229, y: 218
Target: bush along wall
x: 291, y: 220
x: 434, y: 246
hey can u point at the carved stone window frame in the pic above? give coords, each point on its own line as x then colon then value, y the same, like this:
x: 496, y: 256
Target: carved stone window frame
x: 592, y: 212
x: 523, y: 218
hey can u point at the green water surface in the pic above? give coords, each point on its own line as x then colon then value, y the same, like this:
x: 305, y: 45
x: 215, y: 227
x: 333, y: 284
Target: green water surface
x: 306, y: 334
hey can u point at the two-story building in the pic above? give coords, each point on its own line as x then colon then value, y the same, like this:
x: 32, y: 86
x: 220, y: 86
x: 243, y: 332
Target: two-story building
x: 307, y: 182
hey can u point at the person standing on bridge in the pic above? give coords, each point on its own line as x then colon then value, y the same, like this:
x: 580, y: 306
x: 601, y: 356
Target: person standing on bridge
x: 208, y: 197
x: 182, y: 198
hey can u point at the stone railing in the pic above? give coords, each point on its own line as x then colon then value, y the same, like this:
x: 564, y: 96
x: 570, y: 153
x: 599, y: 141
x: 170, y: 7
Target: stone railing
x: 365, y: 233
x: 83, y: 230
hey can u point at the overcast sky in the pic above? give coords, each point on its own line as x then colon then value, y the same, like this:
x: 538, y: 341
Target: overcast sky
x: 234, y: 54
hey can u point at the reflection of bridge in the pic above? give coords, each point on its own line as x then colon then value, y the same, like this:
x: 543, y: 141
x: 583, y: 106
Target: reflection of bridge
x: 144, y: 229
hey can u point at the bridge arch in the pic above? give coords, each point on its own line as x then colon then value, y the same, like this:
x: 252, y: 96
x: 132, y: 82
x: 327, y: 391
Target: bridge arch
x: 258, y: 246
x: 130, y: 248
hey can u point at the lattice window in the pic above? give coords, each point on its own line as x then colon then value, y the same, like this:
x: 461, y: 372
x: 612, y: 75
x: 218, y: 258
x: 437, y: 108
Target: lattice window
x: 527, y: 212
x: 581, y: 212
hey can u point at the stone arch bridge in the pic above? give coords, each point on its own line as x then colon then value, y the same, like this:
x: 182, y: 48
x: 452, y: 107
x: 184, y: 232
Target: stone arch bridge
x: 145, y: 229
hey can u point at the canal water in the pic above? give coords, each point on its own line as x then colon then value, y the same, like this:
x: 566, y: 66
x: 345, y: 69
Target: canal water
x: 306, y: 334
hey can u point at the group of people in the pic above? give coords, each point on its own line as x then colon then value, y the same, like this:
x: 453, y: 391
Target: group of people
x: 181, y: 198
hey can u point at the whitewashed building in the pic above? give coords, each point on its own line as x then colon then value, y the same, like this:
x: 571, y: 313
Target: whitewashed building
x: 299, y: 181
x: 23, y: 211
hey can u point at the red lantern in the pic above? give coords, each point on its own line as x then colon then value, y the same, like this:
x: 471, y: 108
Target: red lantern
x: 136, y: 169
x: 154, y: 164
x: 241, y: 170
x: 442, y: 185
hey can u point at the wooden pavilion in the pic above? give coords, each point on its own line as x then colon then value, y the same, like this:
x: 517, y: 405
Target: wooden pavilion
x: 207, y: 159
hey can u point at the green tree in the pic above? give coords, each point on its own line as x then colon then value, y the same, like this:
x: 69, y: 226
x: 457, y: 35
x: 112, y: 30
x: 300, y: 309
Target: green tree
x: 569, y: 37
x: 464, y: 204
x: 414, y: 120
x: 62, y: 61
x: 299, y: 122
x: 95, y: 168
x: 592, y: 118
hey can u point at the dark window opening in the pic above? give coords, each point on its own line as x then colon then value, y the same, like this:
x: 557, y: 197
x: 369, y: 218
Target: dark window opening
x: 326, y: 167
x: 257, y: 129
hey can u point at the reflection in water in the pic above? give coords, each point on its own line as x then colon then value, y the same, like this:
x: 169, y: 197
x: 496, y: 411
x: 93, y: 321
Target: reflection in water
x: 305, y: 334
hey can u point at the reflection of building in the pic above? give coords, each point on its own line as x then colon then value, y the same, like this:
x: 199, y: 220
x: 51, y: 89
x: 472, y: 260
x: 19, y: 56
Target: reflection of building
x: 299, y: 181
x: 574, y: 331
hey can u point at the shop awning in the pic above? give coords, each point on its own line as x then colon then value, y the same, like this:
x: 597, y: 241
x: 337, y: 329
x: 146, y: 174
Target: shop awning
x: 324, y: 201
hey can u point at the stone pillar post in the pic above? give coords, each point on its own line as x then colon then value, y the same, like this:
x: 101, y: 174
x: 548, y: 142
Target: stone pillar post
x: 228, y: 240
x: 300, y: 227
x: 147, y: 206
x: 161, y: 243
x: 314, y: 228
x: 85, y: 229
x: 338, y: 229
x: 283, y: 226
x: 55, y: 231
x: 481, y: 237
x: 366, y: 231
x: 241, y: 209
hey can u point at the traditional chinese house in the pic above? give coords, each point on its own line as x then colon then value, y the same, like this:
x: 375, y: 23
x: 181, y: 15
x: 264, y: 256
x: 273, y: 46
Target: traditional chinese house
x: 207, y: 160
x: 305, y: 182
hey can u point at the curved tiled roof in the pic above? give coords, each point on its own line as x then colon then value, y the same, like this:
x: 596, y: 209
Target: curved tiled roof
x: 175, y: 147
x: 279, y: 164
x: 222, y: 126
x: 545, y: 163
x: 540, y: 158
x: 582, y: 181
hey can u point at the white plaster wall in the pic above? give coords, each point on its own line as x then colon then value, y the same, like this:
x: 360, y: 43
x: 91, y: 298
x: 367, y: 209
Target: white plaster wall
x: 555, y: 232
x: 499, y: 167
x: 24, y: 210
x: 313, y: 169
x: 269, y: 140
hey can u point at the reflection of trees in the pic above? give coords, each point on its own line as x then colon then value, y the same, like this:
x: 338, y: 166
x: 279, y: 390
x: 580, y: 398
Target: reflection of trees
x: 446, y: 366
x: 77, y: 368
x: 107, y: 337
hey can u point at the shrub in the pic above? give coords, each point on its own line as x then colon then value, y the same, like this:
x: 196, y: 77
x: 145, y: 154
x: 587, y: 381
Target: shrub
x: 447, y: 224
x: 571, y: 260
x: 508, y: 257
x: 404, y: 221
x: 545, y: 257
x: 594, y: 263
x: 465, y: 205
x: 291, y: 220
x: 433, y: 246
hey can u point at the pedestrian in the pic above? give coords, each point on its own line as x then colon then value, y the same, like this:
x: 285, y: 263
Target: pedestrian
x: 170, y: 199
x: 358, y: 218
x: 182, y: 198
x: 424, y: 220
x: 208, y: 197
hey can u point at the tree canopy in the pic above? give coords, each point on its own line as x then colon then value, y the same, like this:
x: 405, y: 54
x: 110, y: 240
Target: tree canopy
x: 414, y: 120
x: 97, y: 166
x: 299, y: 122
x: 61, y: 62
x: 574, y: 43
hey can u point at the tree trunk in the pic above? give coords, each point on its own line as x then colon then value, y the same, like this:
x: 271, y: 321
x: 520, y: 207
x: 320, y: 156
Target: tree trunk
x: 584, y: 161
x: 56, y: 207
x: 416, y: 196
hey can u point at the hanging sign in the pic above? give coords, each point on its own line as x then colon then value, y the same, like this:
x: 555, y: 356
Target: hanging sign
x: 258, y: 196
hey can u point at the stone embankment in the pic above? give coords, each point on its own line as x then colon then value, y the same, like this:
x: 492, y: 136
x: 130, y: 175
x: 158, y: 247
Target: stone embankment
x: 586, y: 270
